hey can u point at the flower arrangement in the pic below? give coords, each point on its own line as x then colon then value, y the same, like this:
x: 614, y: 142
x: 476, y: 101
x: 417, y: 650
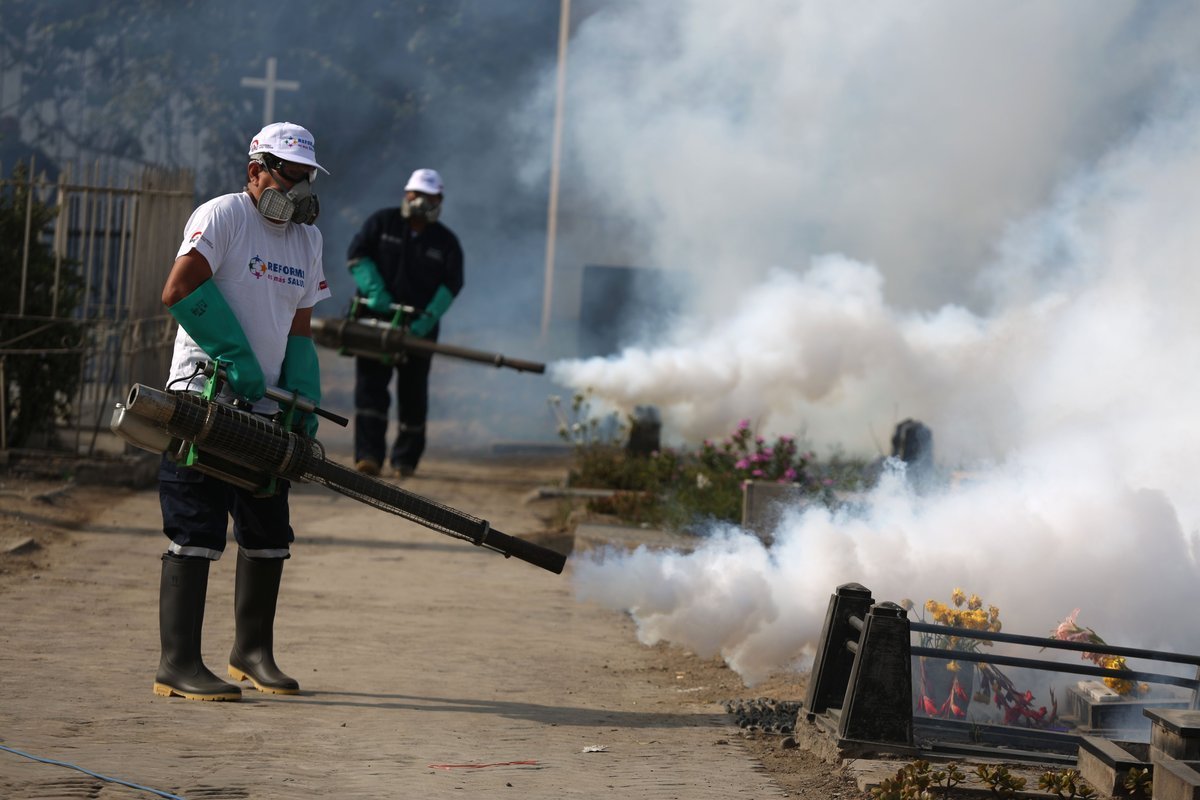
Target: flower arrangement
x: 936, y: 699
x: 955, y: 615
x: 1016, y: 706
x: 962, y: 611
x: 1069, y: 630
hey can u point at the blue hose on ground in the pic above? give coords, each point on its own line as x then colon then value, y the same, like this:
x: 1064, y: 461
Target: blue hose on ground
x: 93, y: 774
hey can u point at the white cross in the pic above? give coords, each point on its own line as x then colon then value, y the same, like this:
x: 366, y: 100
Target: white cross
x: 270, y: 84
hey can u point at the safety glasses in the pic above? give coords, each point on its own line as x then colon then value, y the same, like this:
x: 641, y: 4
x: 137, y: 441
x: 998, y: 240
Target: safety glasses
x: 291, y: 173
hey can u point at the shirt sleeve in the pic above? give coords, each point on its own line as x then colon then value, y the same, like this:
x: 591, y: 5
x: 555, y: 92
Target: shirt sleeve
x: 209, y: 231
x: 317, y: 288
x: 454, y: 266
x: 365, y: 243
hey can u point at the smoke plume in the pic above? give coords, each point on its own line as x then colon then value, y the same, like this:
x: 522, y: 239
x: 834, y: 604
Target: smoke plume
x: 978, y: 216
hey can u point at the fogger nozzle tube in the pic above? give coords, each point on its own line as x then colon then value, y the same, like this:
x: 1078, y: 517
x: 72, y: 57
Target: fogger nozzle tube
x: 372, y: 339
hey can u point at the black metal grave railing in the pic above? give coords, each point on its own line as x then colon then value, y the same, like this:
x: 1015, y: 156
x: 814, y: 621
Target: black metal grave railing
x: 861, y: 686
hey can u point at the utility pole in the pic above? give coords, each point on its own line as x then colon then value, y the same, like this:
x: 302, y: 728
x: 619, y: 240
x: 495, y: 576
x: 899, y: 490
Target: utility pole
x: 564, y: 28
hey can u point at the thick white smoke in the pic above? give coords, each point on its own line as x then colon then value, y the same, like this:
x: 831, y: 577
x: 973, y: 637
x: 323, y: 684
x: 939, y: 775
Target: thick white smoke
x: 977, y: 215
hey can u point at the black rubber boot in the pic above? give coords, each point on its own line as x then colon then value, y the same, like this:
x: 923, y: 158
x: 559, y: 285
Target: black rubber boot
x: 254, y: 597
x: 181, y: 670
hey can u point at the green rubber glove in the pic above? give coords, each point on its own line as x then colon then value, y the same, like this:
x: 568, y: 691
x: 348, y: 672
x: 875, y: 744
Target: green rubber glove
x: 301, y: 373
x: 210, y: 321
x: 370, y: 285
x: 442, y: 299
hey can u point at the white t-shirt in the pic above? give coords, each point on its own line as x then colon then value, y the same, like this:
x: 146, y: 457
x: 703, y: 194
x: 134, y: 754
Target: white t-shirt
x: 265, y: 271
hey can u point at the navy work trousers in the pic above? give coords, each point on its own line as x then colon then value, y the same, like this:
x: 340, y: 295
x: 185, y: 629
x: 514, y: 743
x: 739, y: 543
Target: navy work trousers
x: 196, y: 509
x: 372, y: 401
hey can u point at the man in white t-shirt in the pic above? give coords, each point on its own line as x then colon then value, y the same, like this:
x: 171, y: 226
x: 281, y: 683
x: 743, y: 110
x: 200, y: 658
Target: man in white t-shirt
x: 242, y: 288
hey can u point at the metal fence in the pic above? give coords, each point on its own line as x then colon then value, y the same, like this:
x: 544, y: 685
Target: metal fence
x: 861, y: 688
x: 120, y: 241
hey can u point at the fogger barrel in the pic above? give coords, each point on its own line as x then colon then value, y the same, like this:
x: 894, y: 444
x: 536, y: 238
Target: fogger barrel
x: 376, y: 339
x: 247, y: 449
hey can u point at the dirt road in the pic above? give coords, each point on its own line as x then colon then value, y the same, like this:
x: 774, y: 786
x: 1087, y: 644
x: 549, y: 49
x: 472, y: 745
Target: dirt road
x: 429, y: 668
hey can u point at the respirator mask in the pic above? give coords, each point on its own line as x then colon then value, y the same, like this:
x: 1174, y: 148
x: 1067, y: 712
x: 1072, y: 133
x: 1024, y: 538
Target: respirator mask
x: 297, y: 204
x: 420, y: 208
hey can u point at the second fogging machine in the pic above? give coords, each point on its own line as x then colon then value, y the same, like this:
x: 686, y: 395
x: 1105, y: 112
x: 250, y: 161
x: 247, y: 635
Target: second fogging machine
x: 390, y: 341
x: 254, y: 452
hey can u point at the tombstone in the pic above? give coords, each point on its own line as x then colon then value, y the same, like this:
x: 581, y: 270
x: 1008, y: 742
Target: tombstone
x: 912, y: 443
x: 645, y: 432
x: 764, y: 504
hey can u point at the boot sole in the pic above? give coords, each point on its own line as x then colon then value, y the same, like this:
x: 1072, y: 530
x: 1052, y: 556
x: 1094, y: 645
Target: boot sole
x: 239, y: 675
x: 162, y: 690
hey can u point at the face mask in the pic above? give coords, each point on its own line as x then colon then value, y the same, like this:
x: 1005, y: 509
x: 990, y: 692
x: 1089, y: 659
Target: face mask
x: 420, y: 208
x: 298, y: 204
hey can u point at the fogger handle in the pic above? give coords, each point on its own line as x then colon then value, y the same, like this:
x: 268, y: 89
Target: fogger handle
x: 282, y: 396
x: 304, y: 404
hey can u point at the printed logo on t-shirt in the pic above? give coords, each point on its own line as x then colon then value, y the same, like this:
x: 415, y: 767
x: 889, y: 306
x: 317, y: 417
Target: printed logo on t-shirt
x: 433, y: 254
x: 323, y: 285
x: 278, y: 273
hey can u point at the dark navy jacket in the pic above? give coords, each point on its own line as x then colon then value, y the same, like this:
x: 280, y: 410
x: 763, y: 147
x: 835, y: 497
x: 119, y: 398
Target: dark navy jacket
x: 412, y: 266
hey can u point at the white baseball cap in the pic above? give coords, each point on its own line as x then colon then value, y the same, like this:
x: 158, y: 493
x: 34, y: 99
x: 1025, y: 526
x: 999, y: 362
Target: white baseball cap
x: 288, y: 141
x: 424, y: 180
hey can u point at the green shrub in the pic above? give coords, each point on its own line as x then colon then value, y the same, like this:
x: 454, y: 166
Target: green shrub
x: 679, y: 488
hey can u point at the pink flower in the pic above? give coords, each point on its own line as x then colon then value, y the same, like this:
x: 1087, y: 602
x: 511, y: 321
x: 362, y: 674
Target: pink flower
x: 1067, y: 627
x: 742, y: 464
x: 743, y: 425
x: 758, y: 473
x: 789, y: 474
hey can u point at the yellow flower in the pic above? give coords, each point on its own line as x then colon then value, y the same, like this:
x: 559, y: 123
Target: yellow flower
x: 958, y: 596
x: 953, y: 666
x: 994, y: 613
x: 1119, y: 686
x: 975, y: 602
x: 931, y: 605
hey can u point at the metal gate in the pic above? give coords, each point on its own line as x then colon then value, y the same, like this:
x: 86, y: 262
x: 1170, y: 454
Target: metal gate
x: 119, y: 241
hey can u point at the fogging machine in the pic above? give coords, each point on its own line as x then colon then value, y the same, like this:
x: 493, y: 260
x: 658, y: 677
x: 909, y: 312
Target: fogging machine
x: 254, y: 452
x: 390, y: 340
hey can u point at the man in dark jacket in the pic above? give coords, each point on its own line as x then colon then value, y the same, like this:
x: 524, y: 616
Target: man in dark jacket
x: 402, y: 256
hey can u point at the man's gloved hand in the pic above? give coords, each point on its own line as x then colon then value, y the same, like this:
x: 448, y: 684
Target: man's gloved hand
x: 424, y: 324
x: 301, y: 373
x: 209, y: 320
x: 370, y: 285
